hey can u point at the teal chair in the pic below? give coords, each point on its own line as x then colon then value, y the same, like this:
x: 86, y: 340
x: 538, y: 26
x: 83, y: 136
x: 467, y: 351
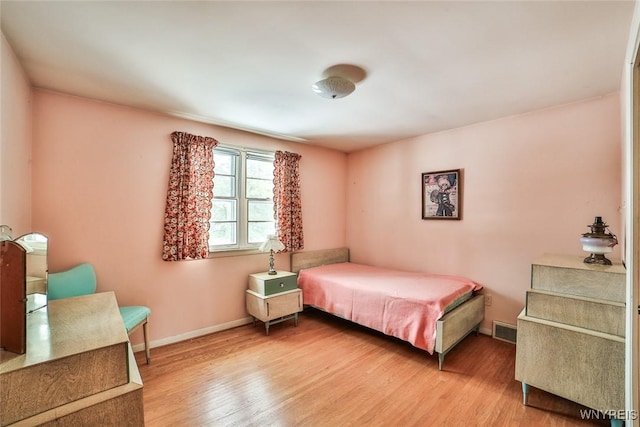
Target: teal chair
x: 81, y: 280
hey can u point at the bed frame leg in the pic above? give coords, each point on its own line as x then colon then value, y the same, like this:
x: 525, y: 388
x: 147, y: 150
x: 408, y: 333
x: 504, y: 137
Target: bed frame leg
x: 525, y: 394
x: 440, y: 361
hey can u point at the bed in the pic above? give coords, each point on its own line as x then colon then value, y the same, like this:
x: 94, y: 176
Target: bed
x: 432, y: 312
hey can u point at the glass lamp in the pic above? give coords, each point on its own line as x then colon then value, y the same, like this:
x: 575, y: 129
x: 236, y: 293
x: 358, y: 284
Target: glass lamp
x: 271, y: 244
x: 598, y: 242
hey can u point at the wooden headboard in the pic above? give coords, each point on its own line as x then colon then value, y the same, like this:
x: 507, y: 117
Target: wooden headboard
x: 300, y: 260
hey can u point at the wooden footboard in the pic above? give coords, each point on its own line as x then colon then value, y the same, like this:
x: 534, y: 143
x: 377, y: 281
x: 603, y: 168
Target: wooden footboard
x: 457, y: 324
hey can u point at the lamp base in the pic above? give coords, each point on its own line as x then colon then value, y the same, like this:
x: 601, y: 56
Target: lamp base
x: 597, y: 259
x: 272, y: 265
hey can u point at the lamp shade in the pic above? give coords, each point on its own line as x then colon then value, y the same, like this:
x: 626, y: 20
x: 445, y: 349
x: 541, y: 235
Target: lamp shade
x: 333, y: 87
x: 271, y: 244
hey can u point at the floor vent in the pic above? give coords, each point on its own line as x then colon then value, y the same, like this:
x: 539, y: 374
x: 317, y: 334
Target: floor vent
x: 504, y: 332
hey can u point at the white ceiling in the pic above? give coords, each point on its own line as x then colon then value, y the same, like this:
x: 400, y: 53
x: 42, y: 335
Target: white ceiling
x: 431, y: 65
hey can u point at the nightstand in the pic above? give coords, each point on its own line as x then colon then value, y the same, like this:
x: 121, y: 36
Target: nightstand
x: 274, y: 298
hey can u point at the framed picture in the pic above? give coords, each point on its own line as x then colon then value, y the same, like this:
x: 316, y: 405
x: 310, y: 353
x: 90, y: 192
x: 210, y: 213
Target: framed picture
x: 442, y: 195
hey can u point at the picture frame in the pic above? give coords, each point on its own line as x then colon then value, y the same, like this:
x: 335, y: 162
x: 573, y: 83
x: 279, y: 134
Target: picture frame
x: 442, y: 194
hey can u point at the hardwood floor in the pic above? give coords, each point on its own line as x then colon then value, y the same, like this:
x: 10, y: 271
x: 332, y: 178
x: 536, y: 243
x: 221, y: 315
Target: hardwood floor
x: 329, y: 372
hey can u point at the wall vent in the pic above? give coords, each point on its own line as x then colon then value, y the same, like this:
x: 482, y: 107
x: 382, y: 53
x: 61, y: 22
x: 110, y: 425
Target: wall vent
x: 504, y: 332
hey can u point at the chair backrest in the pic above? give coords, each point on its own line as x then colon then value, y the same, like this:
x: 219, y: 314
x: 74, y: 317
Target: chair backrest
x: 79, y: 280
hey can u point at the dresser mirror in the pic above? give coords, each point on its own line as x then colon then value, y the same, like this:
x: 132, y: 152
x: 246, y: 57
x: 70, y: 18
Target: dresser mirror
x: 36, y: 247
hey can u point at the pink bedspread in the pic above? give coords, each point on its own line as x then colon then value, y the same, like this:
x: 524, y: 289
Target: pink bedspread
x: 402, y: 304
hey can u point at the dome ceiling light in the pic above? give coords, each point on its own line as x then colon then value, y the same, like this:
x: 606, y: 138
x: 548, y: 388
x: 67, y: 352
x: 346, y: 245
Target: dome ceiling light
x: 333, y: 87
x: 339, y: 81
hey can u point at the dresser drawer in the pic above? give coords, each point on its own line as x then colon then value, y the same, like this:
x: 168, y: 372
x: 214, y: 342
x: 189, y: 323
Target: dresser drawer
x: 266, y: 284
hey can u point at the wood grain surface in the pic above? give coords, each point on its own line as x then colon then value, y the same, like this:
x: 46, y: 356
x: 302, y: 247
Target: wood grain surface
x: 330, y: 372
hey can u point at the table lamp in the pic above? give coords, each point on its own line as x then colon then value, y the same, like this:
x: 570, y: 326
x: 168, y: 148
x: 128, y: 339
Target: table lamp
x: 598, y: 242
x: 271, y: 244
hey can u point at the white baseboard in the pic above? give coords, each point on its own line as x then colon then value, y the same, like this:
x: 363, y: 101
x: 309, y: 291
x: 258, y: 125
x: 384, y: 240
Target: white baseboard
x: 193, y: 334
x: 218, y: 328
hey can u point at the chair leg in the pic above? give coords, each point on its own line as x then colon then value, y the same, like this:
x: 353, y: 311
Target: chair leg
x: 145, y: 330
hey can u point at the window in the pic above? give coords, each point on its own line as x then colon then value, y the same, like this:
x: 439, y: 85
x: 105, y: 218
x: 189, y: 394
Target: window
x: 242, y: 211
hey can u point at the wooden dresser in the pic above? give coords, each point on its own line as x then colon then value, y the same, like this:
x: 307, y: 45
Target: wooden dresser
x: 571, y: 332
x: 78, y: 369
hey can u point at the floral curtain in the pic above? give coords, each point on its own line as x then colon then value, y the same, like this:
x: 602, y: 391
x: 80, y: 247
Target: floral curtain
x: 286, y: 199
x: 189, y: 198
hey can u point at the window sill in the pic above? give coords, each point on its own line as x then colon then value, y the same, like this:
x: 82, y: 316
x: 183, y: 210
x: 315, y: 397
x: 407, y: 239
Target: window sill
x: 234, y: 252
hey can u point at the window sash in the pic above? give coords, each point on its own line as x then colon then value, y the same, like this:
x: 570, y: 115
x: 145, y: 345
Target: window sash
x: 247, y: 184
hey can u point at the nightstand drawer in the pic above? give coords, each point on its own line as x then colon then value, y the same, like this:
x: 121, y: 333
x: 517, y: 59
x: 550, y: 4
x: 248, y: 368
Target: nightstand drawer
x: 265, y: 284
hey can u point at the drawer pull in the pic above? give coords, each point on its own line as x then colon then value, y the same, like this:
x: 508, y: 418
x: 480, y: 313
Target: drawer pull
x: 281, y: 285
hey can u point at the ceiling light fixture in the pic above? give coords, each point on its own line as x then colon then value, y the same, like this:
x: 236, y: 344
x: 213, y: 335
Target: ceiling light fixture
x: 334, y: 87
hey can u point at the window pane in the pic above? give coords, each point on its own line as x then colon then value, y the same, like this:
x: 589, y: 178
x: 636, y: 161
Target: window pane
x: 258, y: 231
x: 224, y: 186
x: 225, y: 163
x: 259, y: 188
x: 222, y: 233
x: 223, y: 210
x: 260, y: 168
x: 242, y: 211
x: 260, y: 211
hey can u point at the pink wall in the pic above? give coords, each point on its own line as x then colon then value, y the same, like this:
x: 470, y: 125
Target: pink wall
x: 99, y: 184
x: 532, y: 184
x: 99, y: 187
x: 15, y: 144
